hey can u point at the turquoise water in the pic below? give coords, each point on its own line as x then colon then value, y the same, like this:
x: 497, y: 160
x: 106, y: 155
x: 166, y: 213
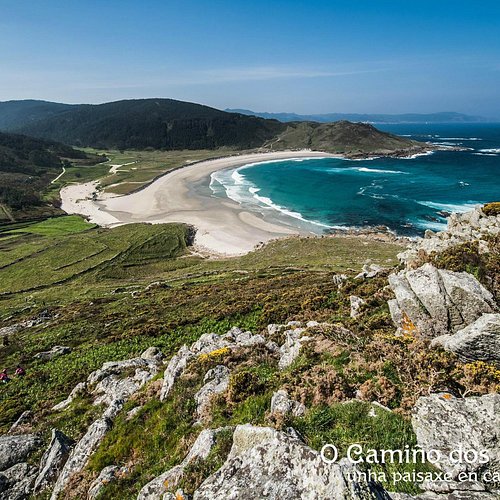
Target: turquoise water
x: 406, y: 195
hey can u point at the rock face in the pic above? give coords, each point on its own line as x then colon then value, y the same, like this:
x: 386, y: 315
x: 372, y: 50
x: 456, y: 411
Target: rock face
x: 53, y: 460
x: 281, y: 404
x: 16, y: 482
x: 81, y: 453
x: 480, y: 341
x: 201, y: 448
x: 57, y: 350
x: 462, y: 228
x: 79, y: 388
x: 434, y: 302
x: 265, y: 463
x: 16, y: 448
x: 216, y: 381
x: 444, y: 423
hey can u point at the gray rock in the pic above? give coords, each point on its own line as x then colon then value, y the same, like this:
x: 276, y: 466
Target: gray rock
x: 16, y: 448
x: 106, y: 476
x: 480, y: 341
x: 282, y: 404
x: 155, y: 489
x: 17, y: 481
x: 265, y: 463
x: 462, y: 228
x: 53, y: 460
x: 444, y: 423
x: 370, y: 271
x: 81, y: 453
x: 152, y: 353
x: 209, y: 342
x: 338, y: 279
x: 118, y: 367
x: 114, y: 388
x: 174, y: 370
x: 216, y: 381
x: 437, y: 302
x: 56, y: 351
x: 356, y: 305
x: 290, y: 350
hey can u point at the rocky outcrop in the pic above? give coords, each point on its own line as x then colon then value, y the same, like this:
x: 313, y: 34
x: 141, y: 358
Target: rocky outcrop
x: 111, y: 388
x: 206, y: 344
x: 106, y: 476
x: 216, y: 381
x: 432, y: 302
x: 56, y: 351
x: 447, y: 424
x: 53, y: 460
x: 16, y: 448
x: 281, y: 404
x: 20, y: 422
x: 200, y: 450
x: 265, y: 463
x: 480, y: 341
x: 84, y: 449
x: 462, y: 228
x: 16, y: 482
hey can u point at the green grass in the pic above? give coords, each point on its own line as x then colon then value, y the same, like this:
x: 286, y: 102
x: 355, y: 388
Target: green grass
x: 59, y: 226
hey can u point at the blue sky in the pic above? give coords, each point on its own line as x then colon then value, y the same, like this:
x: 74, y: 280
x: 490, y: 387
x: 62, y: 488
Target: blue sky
x: 308, y: 57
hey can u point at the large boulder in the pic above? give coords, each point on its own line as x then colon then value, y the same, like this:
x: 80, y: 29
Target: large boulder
x: 16, y: 448
x: 53, y: 460
x: 17, y: 481
x: 265, y: 463
x: 480, y: 341
x: 446, y: 425
x: 56, y: 351
x: 433, y: 302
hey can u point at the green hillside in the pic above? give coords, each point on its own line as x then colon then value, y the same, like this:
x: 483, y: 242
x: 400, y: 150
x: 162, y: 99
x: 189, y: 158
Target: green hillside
x: 27, y: 166
x: 167, y: 124
x: 341, y: 137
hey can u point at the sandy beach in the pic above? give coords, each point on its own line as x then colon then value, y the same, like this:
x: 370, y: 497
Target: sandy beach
x: 223, y: 226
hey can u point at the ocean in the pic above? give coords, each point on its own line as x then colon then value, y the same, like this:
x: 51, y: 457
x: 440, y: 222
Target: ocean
x: 407, y: 195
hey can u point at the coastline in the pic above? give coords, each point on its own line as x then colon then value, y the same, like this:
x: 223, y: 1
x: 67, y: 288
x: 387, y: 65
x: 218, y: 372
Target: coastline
x: 223, y: 227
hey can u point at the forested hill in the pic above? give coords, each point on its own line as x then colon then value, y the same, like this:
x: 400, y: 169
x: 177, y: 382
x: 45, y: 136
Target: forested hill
x: 27, y: 166
x: 174, y: 125
x: 16, y: 114
x: 154, y: 123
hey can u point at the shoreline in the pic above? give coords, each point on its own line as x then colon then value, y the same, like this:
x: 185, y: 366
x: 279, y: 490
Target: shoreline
x: 223, y: 227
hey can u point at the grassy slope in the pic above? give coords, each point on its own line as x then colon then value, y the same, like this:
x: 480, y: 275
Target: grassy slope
x: 104, y: 312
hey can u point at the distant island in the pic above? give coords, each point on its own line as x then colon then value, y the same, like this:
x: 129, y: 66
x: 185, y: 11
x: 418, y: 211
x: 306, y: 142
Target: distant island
x: 444, y: 117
